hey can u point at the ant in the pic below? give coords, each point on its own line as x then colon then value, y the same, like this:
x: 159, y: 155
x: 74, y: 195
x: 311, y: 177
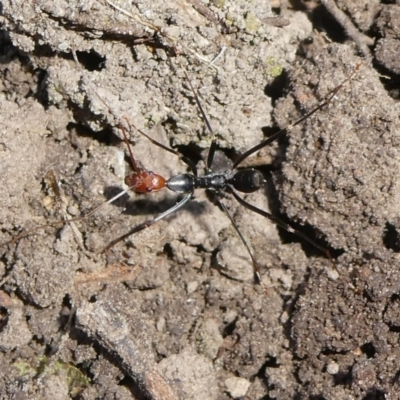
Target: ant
x: 230, y: 182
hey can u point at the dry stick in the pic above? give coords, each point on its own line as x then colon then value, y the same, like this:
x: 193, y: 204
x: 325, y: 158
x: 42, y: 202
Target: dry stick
x: 362, y: 41
x: 127, y: 337
x: 173, y: 40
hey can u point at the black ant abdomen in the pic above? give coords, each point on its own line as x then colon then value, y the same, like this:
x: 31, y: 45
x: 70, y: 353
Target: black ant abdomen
x: 247, y: 180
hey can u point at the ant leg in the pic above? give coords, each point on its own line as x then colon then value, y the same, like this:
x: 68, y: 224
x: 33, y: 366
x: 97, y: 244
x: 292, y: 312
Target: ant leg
x: 210, y: 159
x: 280, y: 223
x: 135, y: 166
x: 213, y: 146
x: 288, y: 128
x: 186, y: 160
x: 150, y: 222
x: 256, y: 268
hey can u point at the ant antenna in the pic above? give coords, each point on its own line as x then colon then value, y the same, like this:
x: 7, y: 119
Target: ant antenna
x: 288, y: 128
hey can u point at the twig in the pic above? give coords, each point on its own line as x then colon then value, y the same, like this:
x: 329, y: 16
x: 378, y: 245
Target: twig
x: 362, y: 41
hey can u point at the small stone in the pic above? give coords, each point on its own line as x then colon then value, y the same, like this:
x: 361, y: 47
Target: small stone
x: 230, y: 316
x: 209, y: 338
x: 194, y: 375
x: 284, y: 317
x: 332, y: 368
x: 16, y: 333
x: 333, y: 274
x: 160, y: 324
x: 192, y: 287
x: 237, y: 387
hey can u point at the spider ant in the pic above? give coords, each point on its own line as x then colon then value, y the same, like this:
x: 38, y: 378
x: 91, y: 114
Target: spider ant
x: 231, y: 182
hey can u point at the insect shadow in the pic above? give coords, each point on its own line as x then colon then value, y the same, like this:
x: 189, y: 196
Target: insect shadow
x: 141, y: 205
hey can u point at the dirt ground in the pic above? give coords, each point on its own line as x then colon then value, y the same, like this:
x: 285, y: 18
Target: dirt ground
x: 173, y: 312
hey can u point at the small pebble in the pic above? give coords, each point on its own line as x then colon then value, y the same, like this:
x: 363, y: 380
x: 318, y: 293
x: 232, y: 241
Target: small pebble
x: 237, y: 387
x: 332, y: 368
x: 192, y: 287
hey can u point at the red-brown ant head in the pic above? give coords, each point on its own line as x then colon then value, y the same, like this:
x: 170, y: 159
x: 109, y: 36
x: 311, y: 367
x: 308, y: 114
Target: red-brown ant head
x: 145, y: 182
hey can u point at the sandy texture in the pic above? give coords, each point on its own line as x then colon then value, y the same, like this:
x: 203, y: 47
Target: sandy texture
x: 173, y: 312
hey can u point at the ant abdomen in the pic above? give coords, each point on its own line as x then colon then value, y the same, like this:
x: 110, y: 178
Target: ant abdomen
x: 247, y: 180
